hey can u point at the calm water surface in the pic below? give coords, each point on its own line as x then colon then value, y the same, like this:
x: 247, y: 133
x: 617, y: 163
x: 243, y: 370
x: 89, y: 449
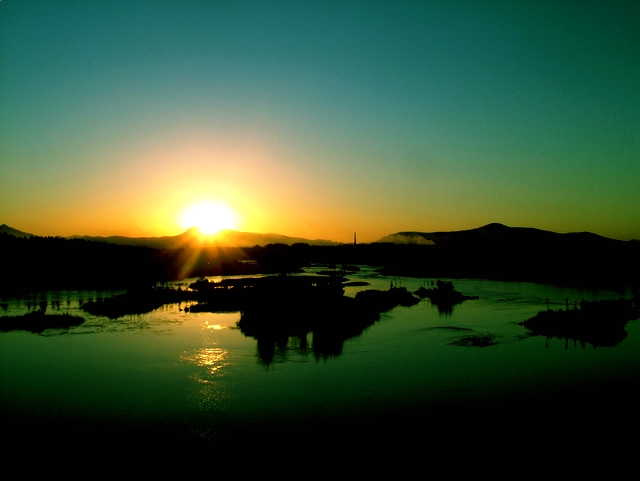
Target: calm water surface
x: 199, y: 372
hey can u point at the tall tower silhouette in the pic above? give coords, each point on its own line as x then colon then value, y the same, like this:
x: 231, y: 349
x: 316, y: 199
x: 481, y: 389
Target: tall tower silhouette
x: 354, y: 239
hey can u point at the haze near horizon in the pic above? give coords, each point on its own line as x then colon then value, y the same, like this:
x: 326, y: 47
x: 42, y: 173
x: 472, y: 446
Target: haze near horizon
x: 318, y: 119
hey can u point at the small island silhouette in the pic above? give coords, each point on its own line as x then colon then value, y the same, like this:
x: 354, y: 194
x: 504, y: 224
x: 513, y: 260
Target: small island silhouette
x: 599, y: 323
x: 443, y: 296
x: 38, y: 321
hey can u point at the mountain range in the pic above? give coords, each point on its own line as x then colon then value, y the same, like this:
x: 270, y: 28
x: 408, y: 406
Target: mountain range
x: 501, y: 234
x: 490, y: 234
x: 494, y: 251
x: 192, y: 238
x: 5, y: 229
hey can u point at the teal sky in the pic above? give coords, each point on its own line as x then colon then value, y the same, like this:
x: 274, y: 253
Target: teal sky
x: 318, y: 119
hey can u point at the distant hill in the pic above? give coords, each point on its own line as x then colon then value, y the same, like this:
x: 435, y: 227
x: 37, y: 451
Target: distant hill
x: 494, y: 234
x: 5, y: 229
x: 496, y: 251
x: 191, y: 238
x: 167, y: 242
x: 246, y: 239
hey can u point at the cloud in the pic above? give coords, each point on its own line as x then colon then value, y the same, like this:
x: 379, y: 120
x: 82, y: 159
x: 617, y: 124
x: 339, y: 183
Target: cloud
x: 407, y: 239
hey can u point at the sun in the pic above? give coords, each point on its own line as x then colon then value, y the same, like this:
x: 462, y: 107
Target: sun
x: 209, y: 217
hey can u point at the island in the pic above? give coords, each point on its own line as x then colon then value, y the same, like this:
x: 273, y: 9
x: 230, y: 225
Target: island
x: 272, y: 308
x: 599, y: 323
x: 443, y: 295
x: 38, y: 321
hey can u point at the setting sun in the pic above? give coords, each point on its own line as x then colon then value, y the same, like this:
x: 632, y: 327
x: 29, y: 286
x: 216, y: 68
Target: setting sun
x: 208, y: 217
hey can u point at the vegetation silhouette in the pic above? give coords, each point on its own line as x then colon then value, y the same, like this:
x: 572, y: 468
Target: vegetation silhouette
x: 274, y: 309
x: 46, y: 263
x: 277, y: 308
x: 136, y: 301
x: 599, y: 323
x: 38, y: 321
x: 443, y: 296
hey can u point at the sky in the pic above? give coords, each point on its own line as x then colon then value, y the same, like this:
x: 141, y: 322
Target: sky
x: 319, y: 119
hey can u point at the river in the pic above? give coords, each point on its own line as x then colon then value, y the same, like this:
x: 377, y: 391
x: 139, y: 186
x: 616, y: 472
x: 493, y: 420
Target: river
x: 196, y: 376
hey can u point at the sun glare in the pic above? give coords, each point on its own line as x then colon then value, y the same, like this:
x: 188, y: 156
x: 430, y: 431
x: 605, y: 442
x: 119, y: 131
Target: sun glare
x: 209, y: 217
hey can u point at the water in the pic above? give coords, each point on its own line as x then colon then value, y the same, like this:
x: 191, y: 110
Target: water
x: 196, y: 374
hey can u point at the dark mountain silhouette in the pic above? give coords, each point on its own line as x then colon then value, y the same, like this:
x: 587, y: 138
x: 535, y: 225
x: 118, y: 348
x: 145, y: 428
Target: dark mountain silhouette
x: 192, y: 238
x: 494, y: 251
x: 186, y: 239
x: 488, y: 234
x: 500, y: 233
x: 497, y: 251
x: 5, y: 229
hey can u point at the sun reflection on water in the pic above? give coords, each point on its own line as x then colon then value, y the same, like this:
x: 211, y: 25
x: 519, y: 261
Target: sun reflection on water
x: 209, y: 391
x: 216, y: 327
x: 213, y: 358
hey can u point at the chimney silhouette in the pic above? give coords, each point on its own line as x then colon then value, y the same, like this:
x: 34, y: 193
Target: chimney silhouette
x: 354, y: 239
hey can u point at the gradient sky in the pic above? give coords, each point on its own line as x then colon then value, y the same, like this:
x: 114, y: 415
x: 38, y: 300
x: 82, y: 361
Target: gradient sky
x: 319, y: 119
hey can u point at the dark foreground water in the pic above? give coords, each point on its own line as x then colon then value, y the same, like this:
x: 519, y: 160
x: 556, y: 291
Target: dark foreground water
x: 181, y: 377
